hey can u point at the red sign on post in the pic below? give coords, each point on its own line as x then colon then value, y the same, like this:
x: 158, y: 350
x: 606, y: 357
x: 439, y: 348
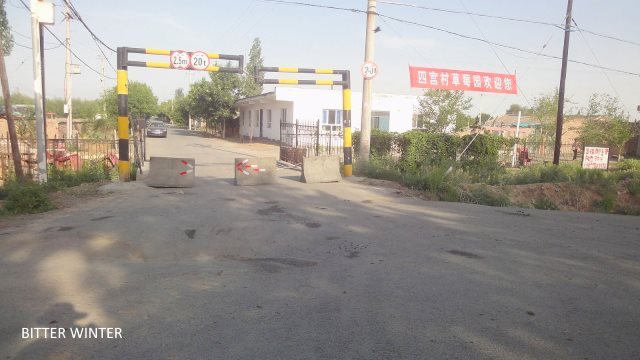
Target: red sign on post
x: 447, y: 79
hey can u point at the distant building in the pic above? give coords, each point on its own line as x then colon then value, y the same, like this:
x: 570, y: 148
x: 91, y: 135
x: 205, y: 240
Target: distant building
x: 267, y: 111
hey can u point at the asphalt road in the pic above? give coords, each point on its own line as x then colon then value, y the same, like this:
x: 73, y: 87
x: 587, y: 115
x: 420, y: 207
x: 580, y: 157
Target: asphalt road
x: 324, y: 271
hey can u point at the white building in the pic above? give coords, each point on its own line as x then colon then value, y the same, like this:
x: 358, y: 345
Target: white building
x: 393, y: 113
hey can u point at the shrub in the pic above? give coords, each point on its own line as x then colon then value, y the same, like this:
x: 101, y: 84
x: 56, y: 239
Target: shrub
x: 61, y: 178
x: 543, y: 203
x: 629, y: 165
x: 26, y: 198
x: 382, y: 143
x: 419, y: 149
x: 606, y: 204
x: 634, y: 187
x: 483, y: 196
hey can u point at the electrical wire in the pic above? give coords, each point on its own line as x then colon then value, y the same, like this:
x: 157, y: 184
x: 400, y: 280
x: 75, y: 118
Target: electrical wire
x: 30, y: 48
x: 63, y: 44
x: 467, y: 12
x: 595, y: 56
x: 494, y: 51
x: 96, y: 39
x: 77, y: 14
x: 455, y: 34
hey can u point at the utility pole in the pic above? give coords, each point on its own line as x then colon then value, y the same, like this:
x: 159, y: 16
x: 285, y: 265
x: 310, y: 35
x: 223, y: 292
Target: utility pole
x: 13, y: 137
x: 563, y: 78
x: 365, y: 124
x: 67, y: 77
x: 41, y: 157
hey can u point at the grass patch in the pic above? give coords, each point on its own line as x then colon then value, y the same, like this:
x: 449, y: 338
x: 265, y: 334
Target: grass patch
x: 30, y: 197
x: 543, y: 203
x: 483, y: 196
x: 26, y: 198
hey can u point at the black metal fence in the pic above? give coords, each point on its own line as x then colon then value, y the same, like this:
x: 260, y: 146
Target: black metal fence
x: 66, y: 153
x: 301, y: 139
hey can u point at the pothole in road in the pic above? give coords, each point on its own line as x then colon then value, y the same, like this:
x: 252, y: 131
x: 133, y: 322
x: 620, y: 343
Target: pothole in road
x: 468, y: 255
x: 273, y: 265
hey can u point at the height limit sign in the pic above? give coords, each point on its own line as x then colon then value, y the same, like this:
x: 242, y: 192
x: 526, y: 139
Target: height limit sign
x: 369, y: 70
x: 179, y: 60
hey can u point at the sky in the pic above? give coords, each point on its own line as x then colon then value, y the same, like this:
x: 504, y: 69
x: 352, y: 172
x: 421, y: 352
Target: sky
x: 304, y: 36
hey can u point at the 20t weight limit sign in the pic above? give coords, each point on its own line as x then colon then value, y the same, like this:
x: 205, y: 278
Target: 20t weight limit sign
x: 183, y: 60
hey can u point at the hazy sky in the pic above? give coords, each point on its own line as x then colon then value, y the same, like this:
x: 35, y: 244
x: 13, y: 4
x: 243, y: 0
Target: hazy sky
x: 316, y: 37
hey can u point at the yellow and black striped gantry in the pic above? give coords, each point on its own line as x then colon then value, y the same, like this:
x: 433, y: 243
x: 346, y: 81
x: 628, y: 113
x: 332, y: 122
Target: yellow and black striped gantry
x: 122, y: 89
x: 345, y: 82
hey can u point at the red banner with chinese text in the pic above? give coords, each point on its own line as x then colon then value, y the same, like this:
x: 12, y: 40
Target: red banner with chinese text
x: 447, y: 79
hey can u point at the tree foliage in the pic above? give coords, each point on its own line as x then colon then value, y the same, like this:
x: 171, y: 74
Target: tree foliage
x: 250, y: 86
x: 515, y: 108
x: 214, y: 99
x: 5, y: 31
x: 607, y: 123
x: 442, y: 111
x: 545, y: 110
x: 142, y: 102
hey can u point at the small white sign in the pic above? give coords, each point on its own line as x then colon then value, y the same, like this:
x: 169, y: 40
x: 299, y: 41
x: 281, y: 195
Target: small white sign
x: 369, y: 70
x: 199, y: 60
x: 595, y: 158
x: 179, y: 60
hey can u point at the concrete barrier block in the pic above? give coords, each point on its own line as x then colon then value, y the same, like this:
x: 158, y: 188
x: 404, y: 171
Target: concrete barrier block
x: 171, y: 172
x: 320, y: 169
x: 255, y: 171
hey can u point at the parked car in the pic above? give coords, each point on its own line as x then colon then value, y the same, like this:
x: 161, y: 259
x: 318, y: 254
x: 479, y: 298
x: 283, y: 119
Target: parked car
x: 157, y: 129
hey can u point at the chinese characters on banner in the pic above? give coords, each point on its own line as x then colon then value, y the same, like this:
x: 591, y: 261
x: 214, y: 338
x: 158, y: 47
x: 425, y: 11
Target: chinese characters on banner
x: 446, y: 79
x: 595, y: 158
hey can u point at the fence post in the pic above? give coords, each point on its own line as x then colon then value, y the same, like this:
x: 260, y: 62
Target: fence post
x: 77, y: 153
x: 296, y: 125
x: 318, y: 138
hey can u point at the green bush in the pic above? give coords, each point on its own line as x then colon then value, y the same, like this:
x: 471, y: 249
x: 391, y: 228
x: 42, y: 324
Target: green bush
x: 419, y: 149
x: 543, y: 203
x: 634, y: 187
x: 26, y: 198
x: 378, y: 167
x: 483, y: 196
x: 629, y: 165
x: 438, y: 181
x: 382, y: 143
x: 62, y: 178
x: 606, y: 204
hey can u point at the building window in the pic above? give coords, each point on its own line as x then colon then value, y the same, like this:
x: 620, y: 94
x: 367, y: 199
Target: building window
x: 380, y: 120
x: 283, y: 115
x: 269, y: 118
x: 416, y: 122
x: 332, y: 120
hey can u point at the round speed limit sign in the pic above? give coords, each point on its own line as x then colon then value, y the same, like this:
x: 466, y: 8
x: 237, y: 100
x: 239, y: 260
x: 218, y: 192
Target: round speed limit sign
x: 179, y: 60
x: 199, y: 60
x: 369, y: 70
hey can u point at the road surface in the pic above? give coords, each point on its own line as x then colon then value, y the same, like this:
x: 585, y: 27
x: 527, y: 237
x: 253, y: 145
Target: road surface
x: 323, y: 271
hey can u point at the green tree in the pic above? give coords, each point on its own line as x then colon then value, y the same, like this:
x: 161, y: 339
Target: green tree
x: 250, y: 86
x: 142, y: 103
x: 607, y: 123
x: 180, y: 108
x: 214, y: 99
x: 442, y: 110
x: 545, y: 110
x: 515, y: 108
x: 5, y: 31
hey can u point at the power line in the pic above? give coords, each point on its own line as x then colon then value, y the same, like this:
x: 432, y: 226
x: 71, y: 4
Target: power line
x: 76, y: 56
x: 467, y: 12
x: 506, y: 46
x: 595, y: 56
x: 62, y: 43
x: 95, y: 37
x: 494, y: 50
x: 453, y: 33
x: 560, y: 26
x: 30, y: 48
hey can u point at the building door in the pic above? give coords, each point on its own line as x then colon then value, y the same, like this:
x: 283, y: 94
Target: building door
x: 261, y: 123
